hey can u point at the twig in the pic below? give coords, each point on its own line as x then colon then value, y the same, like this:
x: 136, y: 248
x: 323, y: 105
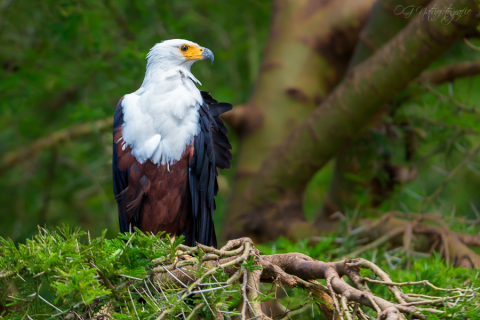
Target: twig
x: 460, y: 106
x: 471, y: 45
x: 347, y: 314
x: 333, y: 296
x: 244, y: 294
x: 107, y: 282
x: 133, y: 304
x: 376, y: 243
x: 164, y: 314
x: 375, y: 305
x: 285, y: 314
x: 195, y: 310
x: 416, y: 283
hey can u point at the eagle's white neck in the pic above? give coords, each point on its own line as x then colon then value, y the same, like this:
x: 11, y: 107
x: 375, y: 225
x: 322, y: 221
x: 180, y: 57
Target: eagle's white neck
x: 156, y: 71
x: 161, y: 118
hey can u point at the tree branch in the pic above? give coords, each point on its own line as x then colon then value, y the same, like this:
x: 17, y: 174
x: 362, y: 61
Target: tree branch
x: 296, y: 269
x: 383, y: 24
x: 13, y: 158
x: 348, y: 110
x: 451, y: 72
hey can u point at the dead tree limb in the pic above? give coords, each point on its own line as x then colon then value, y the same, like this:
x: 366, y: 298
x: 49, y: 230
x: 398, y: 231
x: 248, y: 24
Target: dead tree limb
x: 431, y: 234
x: 299, y: 270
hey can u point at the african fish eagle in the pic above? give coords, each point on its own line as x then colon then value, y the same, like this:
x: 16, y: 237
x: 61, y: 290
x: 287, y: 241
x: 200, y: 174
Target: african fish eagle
x: 168, y: 143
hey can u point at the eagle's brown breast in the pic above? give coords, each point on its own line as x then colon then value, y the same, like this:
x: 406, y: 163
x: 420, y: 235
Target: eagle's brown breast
x: 160, y: 191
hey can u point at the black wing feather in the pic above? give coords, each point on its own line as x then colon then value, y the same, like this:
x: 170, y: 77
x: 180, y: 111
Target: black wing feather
x: 127, y: 219
x: 218, y: 109
x: 120, y: 178
x: 211, y: 151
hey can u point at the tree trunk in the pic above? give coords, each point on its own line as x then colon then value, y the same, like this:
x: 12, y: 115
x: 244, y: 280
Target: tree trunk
x: 305, y: 57
x: 266, y: 211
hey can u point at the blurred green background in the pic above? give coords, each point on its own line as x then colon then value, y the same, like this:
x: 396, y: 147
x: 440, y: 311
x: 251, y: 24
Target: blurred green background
x: 64, y: 63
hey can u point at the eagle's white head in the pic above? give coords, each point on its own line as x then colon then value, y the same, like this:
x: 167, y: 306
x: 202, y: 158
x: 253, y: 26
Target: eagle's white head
x: 176, y: 53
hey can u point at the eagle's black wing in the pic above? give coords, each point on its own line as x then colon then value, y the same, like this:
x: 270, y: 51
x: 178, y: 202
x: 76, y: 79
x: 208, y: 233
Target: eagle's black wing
x: 128, y: 219
x: 211, y: 151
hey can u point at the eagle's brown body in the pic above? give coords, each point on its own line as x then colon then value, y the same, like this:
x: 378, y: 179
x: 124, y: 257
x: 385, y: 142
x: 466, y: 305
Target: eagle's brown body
x: 161, y: 190
x: 175, y: 198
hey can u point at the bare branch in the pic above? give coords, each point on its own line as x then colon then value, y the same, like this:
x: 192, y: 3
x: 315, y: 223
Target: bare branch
x: 15, y: 157
x: 451, y: 72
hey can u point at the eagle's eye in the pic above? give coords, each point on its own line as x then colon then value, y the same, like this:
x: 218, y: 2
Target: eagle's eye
x: 184, y: 48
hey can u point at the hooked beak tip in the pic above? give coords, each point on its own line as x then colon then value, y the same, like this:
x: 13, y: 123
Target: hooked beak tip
x: 207, y: 54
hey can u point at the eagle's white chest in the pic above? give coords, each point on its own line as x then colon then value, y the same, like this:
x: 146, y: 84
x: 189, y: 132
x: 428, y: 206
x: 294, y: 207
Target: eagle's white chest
x: 161, y: 118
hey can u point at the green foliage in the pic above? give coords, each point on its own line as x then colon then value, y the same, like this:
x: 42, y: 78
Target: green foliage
x: 65, y: 271
x: 60, y: 272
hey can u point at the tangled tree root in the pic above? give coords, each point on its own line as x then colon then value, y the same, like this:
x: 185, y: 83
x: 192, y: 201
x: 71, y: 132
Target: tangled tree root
x: 426, y: 233
x: 340, y: 299
x: 119, y: 280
